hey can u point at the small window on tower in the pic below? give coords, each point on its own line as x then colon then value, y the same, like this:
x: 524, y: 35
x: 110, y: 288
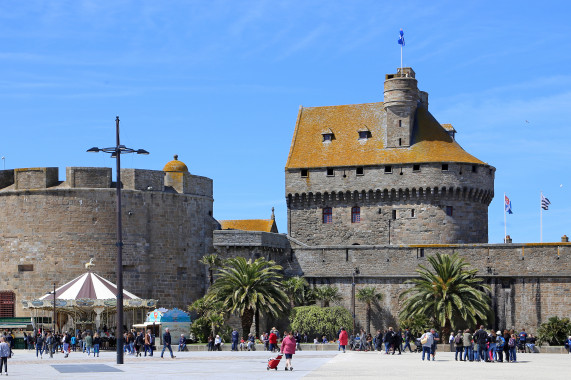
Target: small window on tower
x: 400, y: 142
x: 363, y: 135
x: 304, y: 173
x: 394, y: 214
x: 416, y: 168
x: 449, y: 210
x: 327, y: 215
x: 412, y: 213
x: 327, y: 137
x: 400, y: 123
x: 388, y: 169
x: 356, y: 214
x: 330, y: 172
x: 474, y: 169
x: 360, y: 170
x: 444, y: 167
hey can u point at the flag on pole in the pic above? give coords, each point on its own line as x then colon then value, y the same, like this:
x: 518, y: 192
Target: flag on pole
x: 508, y: 205
x: 401, y: 38
x: 545, y: 203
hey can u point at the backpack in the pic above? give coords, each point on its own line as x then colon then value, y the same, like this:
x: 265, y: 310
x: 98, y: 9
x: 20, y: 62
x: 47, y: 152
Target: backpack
x: 511, y: 342
x: 458, y: 339
x: 501, y: 341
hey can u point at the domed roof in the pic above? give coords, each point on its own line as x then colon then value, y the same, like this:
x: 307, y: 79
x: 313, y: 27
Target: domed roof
x: 175, y: 166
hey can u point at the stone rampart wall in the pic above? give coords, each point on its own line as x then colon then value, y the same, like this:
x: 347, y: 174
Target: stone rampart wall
x: 55, y: 231
x: 529, y: 283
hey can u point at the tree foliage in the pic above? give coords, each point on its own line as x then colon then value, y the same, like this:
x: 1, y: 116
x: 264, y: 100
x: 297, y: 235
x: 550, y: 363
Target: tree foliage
x: 554, y: 332
x: 245, y: 287
x: 213, y: 261
x: 417, y: 324
x: 369, y: 296
x: 210, y: 317
x: 448, y: 293
x: 327, y: 294
x: 296, y: 290
x: 319, y: 321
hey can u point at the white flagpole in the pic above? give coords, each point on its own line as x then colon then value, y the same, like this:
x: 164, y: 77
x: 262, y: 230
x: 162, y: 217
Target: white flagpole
x: 540, y: 217
x: 505, y: 222
x: 401, y: 60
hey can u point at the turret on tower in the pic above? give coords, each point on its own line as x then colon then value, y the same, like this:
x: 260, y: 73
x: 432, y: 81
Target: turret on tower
x: 401, y: 99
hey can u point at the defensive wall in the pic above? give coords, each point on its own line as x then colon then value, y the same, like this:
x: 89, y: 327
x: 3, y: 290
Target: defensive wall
x: 529, y: 282
x: 408, y: 204
x: 50, y: 228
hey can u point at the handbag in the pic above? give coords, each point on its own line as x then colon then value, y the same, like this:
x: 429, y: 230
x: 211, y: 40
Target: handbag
x: 424, y: 340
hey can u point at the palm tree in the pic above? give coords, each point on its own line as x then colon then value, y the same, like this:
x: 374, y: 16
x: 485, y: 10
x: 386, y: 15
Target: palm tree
x: 327, y: 294
x: 211, y: 310
x: 246, y: 287
x: 369, y: 296
x: 294, y: 288
x: 213, y: 262
x: 448, y: 293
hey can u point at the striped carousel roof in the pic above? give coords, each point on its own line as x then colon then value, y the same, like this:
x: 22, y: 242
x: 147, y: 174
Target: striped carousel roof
x: 88, y: 286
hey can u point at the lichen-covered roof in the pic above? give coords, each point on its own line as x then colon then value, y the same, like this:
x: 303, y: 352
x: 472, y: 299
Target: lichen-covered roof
x: 430, y: 142
x: 448, y: 127
x: 175, y: 166
x: 264, y: 225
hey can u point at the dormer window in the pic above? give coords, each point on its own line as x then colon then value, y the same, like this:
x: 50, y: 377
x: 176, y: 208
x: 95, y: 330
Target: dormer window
x: 328, y: 135
x: 364, y: 133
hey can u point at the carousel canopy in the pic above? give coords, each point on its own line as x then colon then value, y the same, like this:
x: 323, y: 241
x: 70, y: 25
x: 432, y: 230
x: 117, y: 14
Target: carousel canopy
x: 88, y: 286
x: 88, y: 291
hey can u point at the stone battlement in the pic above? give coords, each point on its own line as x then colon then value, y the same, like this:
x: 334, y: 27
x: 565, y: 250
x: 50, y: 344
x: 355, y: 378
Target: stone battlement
x: 100, y: 178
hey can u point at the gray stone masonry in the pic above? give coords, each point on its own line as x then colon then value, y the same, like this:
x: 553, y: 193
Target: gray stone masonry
x: 53, y: 231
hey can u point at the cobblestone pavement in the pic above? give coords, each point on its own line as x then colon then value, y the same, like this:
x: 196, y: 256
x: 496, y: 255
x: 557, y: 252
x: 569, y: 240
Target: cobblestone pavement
x: 307, y: 364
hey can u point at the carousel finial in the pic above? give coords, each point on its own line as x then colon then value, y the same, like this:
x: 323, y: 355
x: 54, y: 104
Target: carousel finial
x: 89, y: 264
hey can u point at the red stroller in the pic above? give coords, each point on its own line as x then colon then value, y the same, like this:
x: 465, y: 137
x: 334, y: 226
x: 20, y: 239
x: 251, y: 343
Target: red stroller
x: 273, y: 363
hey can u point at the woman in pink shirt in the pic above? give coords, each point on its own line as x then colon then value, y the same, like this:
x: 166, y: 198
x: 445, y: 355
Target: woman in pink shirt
x: 288, y: 348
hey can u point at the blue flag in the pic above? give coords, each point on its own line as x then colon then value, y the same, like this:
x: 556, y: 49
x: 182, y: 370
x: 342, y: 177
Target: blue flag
x: 508, y: 205
x: 401, y: 39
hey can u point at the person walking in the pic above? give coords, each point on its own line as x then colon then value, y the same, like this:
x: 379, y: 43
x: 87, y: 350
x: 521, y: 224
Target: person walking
x: 96, y: 344
x: 39, y: 345
x: 492, y: 341
x: 481, y: 338
x: 5, y: 352
x: 343, y: 339
x: 148, y: 346
x: 89, y: 344
x: 500, y: 343
x: 273, y: 339
x: 167, y: 343
x: 468, y: 345
x: 50, y: 340
x: 458, y: 344
x: 512, y: 343
x: 427, y: 339
x: 407, y: 339
x: 288, y: 349
x: 66, y: 344
x: 235, y: 339
x: 434, y: 344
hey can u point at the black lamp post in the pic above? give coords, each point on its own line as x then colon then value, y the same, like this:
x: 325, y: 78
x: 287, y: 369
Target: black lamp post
x: 355, y: 272
x: 116, y: 153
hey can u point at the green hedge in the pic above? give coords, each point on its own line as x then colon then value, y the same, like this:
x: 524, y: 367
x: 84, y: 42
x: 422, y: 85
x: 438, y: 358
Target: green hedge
x: 319, y: 321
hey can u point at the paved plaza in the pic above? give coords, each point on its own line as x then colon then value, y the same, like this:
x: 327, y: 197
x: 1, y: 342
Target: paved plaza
x: 307, y: 365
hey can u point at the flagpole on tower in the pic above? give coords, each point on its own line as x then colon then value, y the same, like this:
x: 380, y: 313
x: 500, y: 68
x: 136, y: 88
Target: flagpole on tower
x: 505, y: 221
x: 541, y: 217
x: 401, y: 43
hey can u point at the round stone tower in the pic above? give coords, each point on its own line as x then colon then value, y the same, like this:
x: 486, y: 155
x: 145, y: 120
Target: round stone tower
x: 401, y: 99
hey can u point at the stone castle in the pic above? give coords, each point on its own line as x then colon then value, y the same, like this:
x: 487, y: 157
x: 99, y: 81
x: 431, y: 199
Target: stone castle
x: 371, y: 191
x: 50, y: 228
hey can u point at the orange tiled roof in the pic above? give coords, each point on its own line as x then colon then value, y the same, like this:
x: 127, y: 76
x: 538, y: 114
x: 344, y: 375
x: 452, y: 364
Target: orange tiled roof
x: 431, y: 142
x: 264, y: 225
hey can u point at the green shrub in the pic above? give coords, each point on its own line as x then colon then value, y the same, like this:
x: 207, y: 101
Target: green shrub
x: 555, y: 331
x: 319, y: 321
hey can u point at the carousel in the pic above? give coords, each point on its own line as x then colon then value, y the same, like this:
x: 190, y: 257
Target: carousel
x: 88, y: 302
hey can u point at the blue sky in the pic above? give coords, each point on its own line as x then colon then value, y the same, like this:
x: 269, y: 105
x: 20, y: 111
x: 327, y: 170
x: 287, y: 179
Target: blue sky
x: 219, y: 83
